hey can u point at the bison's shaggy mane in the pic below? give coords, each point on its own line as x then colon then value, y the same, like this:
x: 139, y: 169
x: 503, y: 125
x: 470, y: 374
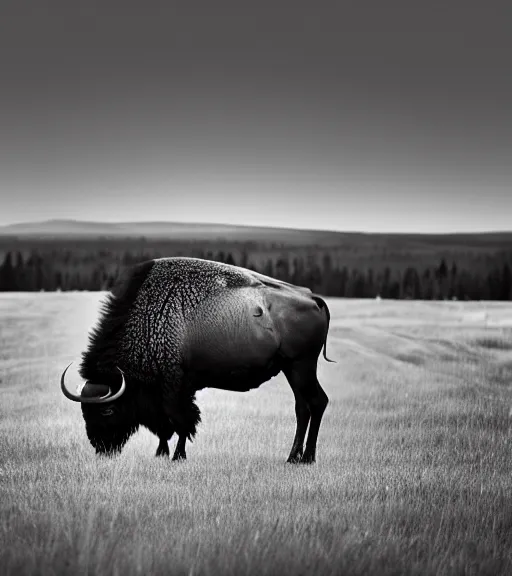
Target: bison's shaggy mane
x: 100, y: 359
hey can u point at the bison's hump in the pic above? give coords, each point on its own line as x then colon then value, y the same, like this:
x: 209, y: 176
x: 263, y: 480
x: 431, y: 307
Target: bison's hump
x: 202, y: 275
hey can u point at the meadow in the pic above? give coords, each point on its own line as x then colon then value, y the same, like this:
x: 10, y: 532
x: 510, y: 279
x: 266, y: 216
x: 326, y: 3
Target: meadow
x: 413, y: 472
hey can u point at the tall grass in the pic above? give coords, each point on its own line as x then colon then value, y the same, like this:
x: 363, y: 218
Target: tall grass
x: 414, y: 470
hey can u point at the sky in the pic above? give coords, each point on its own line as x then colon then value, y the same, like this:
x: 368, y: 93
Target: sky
x: 343, y: 115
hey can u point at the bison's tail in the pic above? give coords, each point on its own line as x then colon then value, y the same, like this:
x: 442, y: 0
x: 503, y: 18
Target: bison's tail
x: 323, y: 304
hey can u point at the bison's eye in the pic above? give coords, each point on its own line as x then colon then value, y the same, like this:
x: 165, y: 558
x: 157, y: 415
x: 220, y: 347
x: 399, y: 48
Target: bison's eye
x: 107, y: 412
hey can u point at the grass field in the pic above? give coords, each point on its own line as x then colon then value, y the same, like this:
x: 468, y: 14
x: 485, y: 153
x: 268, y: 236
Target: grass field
x: 413, y: 472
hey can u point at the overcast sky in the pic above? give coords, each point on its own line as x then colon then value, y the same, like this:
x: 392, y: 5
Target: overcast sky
x: 346, y: 115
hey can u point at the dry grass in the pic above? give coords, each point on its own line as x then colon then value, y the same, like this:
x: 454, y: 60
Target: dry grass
x: 413, y: 473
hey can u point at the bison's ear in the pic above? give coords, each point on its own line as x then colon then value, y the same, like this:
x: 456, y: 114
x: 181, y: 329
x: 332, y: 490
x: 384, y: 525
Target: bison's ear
x: 94, y: 390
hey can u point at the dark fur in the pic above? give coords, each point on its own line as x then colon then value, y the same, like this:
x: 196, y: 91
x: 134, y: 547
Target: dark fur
x: 100, y: 358
x: 99, y: 365
x: 141, y: 404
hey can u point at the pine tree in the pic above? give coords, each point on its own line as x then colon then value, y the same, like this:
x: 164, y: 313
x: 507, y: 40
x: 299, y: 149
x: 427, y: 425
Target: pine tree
x: 386, y: 283
x: 506, y: 283
x: 230, y: 259
x: 282, y: 272
x: 344, y: 280
x: 441, y: 276
x: 7, y: 280
x: 411, y: 287
x: 427, y: 285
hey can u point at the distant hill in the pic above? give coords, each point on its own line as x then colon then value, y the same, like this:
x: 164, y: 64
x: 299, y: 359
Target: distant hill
x: 56, y: 229
x: 289, y: 237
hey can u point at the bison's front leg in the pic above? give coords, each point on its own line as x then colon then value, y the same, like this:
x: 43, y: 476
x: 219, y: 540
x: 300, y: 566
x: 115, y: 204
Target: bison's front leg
x: 179, y: 453
x: 181, y: 410
x: 163, y: 448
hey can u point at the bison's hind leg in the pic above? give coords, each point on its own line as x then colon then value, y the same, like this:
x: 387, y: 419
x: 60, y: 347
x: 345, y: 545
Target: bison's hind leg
x: 302, y: 416
x: 317, y: 400
x: 308, y: 394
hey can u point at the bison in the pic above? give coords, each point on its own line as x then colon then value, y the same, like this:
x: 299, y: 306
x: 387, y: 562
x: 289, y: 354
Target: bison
x: 173, y: 326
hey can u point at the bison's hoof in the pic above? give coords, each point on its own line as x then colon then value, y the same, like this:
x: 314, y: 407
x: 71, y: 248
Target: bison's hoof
x: 307, y: 459
x: 294, y: 459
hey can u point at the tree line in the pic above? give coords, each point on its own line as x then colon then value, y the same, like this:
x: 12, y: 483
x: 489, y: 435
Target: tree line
x: 98, y: 270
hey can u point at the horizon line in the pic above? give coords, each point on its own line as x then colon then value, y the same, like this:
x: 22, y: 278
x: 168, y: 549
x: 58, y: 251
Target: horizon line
x: 253, y: 226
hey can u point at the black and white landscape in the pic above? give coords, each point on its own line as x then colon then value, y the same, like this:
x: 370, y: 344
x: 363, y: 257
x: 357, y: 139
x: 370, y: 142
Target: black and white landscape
x: 359, y: 149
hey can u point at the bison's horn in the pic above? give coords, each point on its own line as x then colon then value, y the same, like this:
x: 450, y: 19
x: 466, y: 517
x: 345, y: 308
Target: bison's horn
x: 98, y: 400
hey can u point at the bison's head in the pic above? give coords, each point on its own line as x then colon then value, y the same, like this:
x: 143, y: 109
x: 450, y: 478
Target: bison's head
x: 109, y: 417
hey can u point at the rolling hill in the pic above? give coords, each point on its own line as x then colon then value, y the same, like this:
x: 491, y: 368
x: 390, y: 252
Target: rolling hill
x: 288, y: 237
